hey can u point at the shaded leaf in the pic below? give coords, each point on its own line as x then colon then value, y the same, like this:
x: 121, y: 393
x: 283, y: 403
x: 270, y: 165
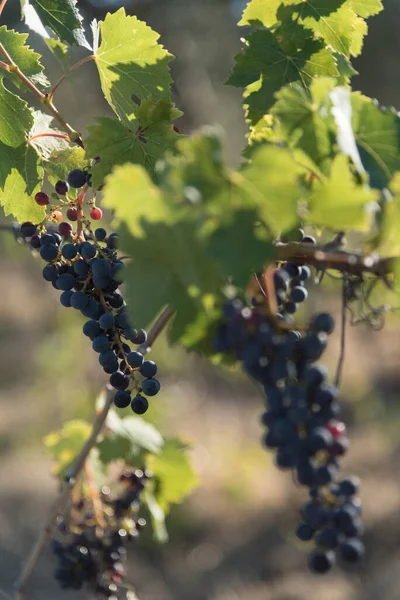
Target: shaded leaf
x: 63, y: 18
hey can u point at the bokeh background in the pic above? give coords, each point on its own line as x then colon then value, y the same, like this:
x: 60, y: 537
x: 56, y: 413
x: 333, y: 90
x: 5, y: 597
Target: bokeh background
x: 233, y: 538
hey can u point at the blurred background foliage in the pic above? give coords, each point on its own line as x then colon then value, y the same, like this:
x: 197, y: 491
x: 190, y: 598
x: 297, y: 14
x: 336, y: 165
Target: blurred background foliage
x: 233, y: 539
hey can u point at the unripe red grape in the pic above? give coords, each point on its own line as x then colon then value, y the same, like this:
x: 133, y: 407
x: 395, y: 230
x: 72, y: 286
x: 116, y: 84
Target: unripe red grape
x: 57, y: 216
x: 96, y: 213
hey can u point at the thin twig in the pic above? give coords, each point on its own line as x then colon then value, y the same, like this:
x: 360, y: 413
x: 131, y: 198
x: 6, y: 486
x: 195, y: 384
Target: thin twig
x: 70, y: 70
x: 2, y: 5
x: 45, y: 99
x: 62, y: 500
x: 158, y: 326
x: 342, y: 335
x: 62, y: 136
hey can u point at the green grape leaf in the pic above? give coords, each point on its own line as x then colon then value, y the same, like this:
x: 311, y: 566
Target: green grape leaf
x: 144, y: 142
x: 338, y: 203
x: 23, y: 56
x: 387, y: 239
x: 65, y: 445
x: 367, y: 8
x: 259, y: 12
x: 331, y: 20
x: 62, y: 161
x: 173, y: 472
x: 60, y: 51
x: 303, y: 119
x: 342, y: 112
x: 270, y: 183
x: 63, y: 18
x: 16, y: 117
x: 227, y: 243
x: 377, y: 133
x: 264, y: 67
x: 130, y: 438
x: 157, y: 515
x: 131, y: 63
x: 45, y: 145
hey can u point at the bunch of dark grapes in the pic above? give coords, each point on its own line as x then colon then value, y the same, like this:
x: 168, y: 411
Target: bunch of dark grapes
x: 88, y: 274
x: 301, y: 419
x: 93, y: 555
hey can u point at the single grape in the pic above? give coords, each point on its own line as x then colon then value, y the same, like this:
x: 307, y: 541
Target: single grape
x: 96, y: 213
x: 122, y: 399
x: 76, y: 178
x: 119, y: 380
x: 65, y: 298
x: 57, y: 216
x: 42, y: 199
x: 140, y: 338
x: 69, y: 251
x: 305, y: 532
x: 100, y: 234
x: 107, y: 321
x: 135, y: 359
x: 50, y: 273
x: 322, y: 322
x: 79, y: 300
x: 101, y: 344
x: 349, y: 486
x: 298, y: 294
x: 81, y: 267
x: 309, y: 239
x: 65, y: 281
x: 48, y: 252
x: 65, y: 229
x: 321, y: 562
x: 139, y: 404
x: 88, y: 251
x: 28, y: 229
x: 35, y: 242
x: 62, y: 187
x: 351, y: 551
x: 101, y: 267
x: 72, y: 214
x: 47, y: 238
x: 148, y: 368
x: 151, y: 387
x: 91, y: 329
x: 112, y: 241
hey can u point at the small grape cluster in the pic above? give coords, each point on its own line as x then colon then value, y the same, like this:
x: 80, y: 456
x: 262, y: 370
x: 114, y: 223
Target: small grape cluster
x: 301, y: 418
x: 92, y: 555
x: 88, y: 273
x: 289, y: 282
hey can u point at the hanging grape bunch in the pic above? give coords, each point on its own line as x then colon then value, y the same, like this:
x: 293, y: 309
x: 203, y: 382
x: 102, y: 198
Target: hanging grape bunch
x: 301, y: 411
x: 91, y: 550
x: 85, y: 267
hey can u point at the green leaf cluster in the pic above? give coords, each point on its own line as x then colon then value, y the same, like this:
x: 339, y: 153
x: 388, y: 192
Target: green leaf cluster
x: 297, y: 42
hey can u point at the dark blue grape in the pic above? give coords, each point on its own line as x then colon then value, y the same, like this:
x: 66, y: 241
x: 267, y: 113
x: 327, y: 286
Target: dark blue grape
x: 112, y: 241
x: 69, y: 251
x: 351, y: 551
x: 48, y: 238
x: 79, y: 300
x: 101, y: 344
x: 91, y: 329
x: 65, y: 282
x: 88, y: 251
x: 107, y: 321
x: 298, y: 294
x: 139, y: 404
x: 122, y: 399
x: 305, y: 532
x: 81, y: 267
x: 148, y: 368
x: 65, y: 298
x: 77, y: 178
x: 140, y: 337
x: 50, y: 273
x: 119, y: 380
x: 28, y: 229
x: 48, y: 252
x: 62, y: 187
x: 321, y: 562
x: 349, y: 486
x: 100, y: 234
x: 135, y: 359
x: 305, y: 273
x: 291, y: 269
x: 101, y: 267
x: 151, y: 386
x: 322, y: 322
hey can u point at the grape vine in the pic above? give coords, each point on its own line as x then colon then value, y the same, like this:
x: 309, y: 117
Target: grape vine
x: 220, y: 258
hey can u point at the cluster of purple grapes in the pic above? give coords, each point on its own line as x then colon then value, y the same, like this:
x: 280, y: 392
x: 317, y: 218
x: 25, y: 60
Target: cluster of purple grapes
x: 88, y: 274
x: 301, y: 420
x: 93, y: 556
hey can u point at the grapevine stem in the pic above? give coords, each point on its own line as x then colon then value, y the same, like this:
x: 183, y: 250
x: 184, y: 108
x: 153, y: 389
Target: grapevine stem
x: 70, y: 70
x: 80, y: 216
x: 342, y: 336
x: 157, y: 327
x: 94, y: 495
x: 62, y: 500
x: 62, y: 136
x: 45, y: 99
x: 2, y: 5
